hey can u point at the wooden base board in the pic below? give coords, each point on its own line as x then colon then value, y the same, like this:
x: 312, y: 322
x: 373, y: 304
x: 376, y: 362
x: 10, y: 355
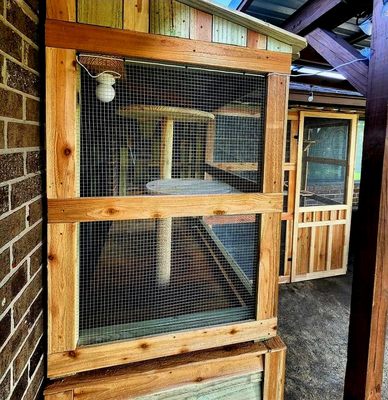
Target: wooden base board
x: 258, y: 368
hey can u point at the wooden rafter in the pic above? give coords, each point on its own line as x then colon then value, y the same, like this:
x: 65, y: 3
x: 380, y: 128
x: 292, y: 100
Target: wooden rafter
x: 323, y: 13
x: 370, y: 282
x: 338, y: 52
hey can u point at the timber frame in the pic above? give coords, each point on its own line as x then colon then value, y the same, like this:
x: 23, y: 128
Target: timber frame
x: 195, y: 369
x: 312, y: 255
x: 67, y: 209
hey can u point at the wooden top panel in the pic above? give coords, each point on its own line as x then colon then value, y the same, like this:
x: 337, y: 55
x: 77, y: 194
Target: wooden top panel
x: 162, y: 48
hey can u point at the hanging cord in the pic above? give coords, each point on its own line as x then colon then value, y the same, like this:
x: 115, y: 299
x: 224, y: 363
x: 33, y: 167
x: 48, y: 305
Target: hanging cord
x: 114, y: 73
x: 331, y: 70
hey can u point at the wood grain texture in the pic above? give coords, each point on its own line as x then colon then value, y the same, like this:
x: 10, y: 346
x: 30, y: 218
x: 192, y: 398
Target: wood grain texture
x: 101, y: 12
x: 270, y: 234
x: 170, y: 18
x: 154, y: 376
x: 63, y: 10
x: 62, y: 278
x: 256, y: 40
x: 137, y: 15
x: 274, y: 374
x: 277, y: 45
x: 67, y: 395
x: 156, y: 47
x: 61, y: 155
x: 228, y: 32
x: 145, y: 207
x: 124, y: 352
x: 201, y: 25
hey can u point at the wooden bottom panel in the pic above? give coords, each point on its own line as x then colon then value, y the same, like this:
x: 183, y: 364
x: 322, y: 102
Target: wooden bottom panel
x: 320, y: 248
x: 252, y: 370
x: 337, y: 252
x: 303, y: 251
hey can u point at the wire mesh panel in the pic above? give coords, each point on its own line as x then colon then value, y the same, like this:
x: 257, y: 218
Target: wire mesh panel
x: 212, y: 276
x: 325, y: 160
x: 158, y: 122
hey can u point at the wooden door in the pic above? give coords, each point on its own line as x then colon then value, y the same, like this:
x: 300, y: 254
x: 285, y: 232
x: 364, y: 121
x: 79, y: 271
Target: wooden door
x: 323, y: 195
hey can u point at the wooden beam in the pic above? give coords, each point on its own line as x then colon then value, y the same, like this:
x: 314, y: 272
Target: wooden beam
x: 337, y: 51
x: 120, y: 42
x: 370, y: 277
x: 144, y: 207
x: 89, y: 358
x: 324, y: 13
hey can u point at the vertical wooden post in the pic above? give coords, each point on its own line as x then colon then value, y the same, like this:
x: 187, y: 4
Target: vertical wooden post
x: 274, y: 370
x: 370, y: 282
x: 270, y: 236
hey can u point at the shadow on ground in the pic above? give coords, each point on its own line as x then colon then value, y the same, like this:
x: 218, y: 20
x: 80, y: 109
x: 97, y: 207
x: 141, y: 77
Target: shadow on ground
x: 313, y: 322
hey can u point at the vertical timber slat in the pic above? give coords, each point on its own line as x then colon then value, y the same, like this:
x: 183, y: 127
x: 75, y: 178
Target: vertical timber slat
x: 62, y: 287
x: 63, y: 10
x: 137, y: 15
x: 256, y: 40
x: 102, y: 12
x: 61, y: 78
x: 277, y: 100
x: 228, y: 32
x: 201, y: 25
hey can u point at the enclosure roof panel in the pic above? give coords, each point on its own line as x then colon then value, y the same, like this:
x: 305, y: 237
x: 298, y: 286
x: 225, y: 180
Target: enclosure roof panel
x: 298, y: 43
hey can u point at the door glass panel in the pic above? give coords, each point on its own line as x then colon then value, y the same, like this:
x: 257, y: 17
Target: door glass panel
x: 324, y: 161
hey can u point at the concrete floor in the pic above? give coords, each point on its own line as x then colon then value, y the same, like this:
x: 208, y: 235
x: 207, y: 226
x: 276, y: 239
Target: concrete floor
x: 313, y: 322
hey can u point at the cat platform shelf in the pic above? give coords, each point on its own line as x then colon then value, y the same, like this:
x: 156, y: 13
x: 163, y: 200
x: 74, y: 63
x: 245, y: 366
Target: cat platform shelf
x: 165, y: 124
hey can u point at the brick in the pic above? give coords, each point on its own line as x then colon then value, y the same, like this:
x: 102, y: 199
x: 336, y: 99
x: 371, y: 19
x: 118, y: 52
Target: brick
x: 34, y: 161
x: 12, y: 346
x: 11, y: 166
x: 12, y: 287
x: 25, y: 190
x: 32, y: 110
x: 27, y: 350
x: 26, y: 244
x: 23, y: 135
x: 5, y: 263
x: 11, y: 42
x: 12, y: 225
x: 4, y: 199
x: 2, y: 133
x: 35, y: 212
x: 22, y: 79
x: 34, y: 391
x: 5, y: 384
x: 36, y: 260
x: 34, y: 311
x: 5, y: 327
x: 11, y: 104
x: 36, y: 356
x: 29, y: 294
x: 31, y: 56
x: 21, y: 21
x: 21, y: 387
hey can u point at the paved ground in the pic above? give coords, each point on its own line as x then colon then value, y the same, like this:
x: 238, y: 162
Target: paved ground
x: 313, y: 321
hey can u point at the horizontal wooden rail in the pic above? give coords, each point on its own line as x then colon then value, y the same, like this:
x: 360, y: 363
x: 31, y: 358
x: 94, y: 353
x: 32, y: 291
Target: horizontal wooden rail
x: 90, y: 38
x: 123, y: 352
x: 145, y: 207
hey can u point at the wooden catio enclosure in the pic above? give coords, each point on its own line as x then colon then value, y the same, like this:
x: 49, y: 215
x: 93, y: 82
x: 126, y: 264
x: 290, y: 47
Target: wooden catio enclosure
x: 165, y: 137
x: 318, y: 182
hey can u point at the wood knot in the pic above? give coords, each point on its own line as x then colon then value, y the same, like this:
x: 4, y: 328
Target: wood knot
x: 233, y: 331
x: 72, y: 354
x: 199, y: 379
x: 112, y: 211
x: 51, y: 257
x: 144, y: 346
x: 219, y: 212
x: 183, y: 350
x: 67, y: 152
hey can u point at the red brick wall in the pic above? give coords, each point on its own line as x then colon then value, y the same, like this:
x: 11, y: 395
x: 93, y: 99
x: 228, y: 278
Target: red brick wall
x: 21, y: 190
